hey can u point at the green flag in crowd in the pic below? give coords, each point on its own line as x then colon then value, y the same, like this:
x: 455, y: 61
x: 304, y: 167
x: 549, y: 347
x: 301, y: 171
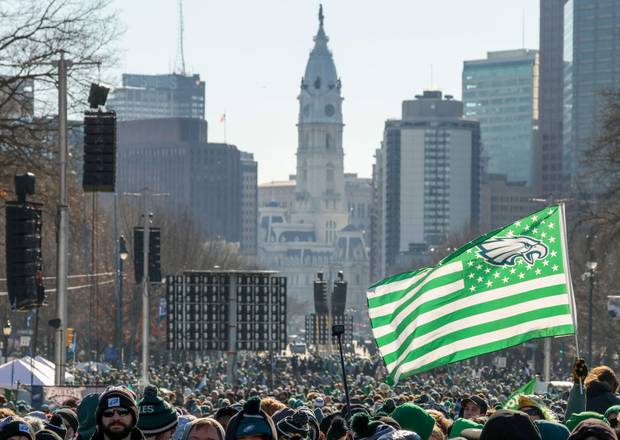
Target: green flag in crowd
x: 513, y: 400
x: 502, y: 289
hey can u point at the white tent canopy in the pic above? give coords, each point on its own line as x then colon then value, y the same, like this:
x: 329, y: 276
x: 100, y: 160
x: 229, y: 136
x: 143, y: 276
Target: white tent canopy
x: 48, y: 365
x: 24, y: 373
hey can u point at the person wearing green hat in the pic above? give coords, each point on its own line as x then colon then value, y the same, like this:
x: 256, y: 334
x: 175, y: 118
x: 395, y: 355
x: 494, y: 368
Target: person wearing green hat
x: 577, y: 418
x: 158, y: 419
x: 612, y: 415
x: 411, y: 417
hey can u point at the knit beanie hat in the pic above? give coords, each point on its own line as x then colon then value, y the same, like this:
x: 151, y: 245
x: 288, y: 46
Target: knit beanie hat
x: 577, y: 418
x: 337, y: 429
x: 362, y: 426
x: 55, y: 425
x: 156, y: 415
x: 251, y: 421
x: 590, y: 428
x: 460, y: 425
x: 551, y: 430
x: 12, y: 425
x: 117, y: 397
x: 86, y: 410
x: 413, y: 418
x: 69, y: 417
x: 46, y: 434
x: 296, y: 424
x: 611, y: 410
x: 508, y: 424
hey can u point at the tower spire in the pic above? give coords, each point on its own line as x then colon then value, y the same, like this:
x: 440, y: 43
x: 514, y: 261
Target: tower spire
x: 180, y: 61
x: 321, y: 16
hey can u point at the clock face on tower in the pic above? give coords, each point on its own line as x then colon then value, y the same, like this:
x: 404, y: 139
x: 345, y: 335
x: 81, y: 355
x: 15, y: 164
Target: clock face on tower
x: 330, y: 110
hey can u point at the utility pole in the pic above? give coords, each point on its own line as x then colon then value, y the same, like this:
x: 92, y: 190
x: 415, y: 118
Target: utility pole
x: 62, y: 240
x: 62, y: 219
x: 147, y: 196
x: 232, y: 331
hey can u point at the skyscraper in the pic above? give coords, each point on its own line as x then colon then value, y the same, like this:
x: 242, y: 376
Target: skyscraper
x: 551, y: 180
x: 159, y: 96
x: 428, y: 171
x: 249, y: 203
x: 501, y: 92
x: 591, y: 66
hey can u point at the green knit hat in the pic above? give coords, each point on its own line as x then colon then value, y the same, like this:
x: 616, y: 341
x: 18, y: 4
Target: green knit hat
x: 575, y: 419
x: 612, y: 409
x: 156, y: 415
x: 86, y: 413
x: 413, y: 418
x: 461, y: 424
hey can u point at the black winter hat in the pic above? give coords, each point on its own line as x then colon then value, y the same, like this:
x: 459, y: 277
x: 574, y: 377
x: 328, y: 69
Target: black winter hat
x: 507, y: 424
x: 12, y: 425
x: 296, y: 424
x: 46, y: 434
x: 337, y: 429
x: 117, y: 397
x: 55, y: 425
x: 69, y: 417
x: 251, y: 420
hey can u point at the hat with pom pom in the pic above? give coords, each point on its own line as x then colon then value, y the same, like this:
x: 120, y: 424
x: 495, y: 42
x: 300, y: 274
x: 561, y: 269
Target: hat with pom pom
x: 294, y: 425
x: 251, y: 421
x: 156, y: 415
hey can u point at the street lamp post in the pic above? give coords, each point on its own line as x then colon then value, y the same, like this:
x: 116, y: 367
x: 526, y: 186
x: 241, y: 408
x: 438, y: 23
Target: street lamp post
x: 123, y: 255
x: 6, y: 332
x: 591, y: 266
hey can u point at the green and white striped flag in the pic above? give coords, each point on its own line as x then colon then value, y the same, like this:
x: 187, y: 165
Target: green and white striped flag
x: 503, y: 288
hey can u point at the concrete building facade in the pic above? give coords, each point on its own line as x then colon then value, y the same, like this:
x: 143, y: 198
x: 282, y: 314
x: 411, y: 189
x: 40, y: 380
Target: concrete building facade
x: 427, y: 178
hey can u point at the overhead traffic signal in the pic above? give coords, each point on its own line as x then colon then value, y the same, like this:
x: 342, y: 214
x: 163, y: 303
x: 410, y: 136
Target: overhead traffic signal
x: 154, y: 254
x: 99, y: 151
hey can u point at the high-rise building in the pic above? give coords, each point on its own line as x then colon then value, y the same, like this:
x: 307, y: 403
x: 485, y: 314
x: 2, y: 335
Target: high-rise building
x: 550, y: 178
x: 158, y: 96
x: 304, y: 223
x: 501, y: 92
x: 249, y: 203
x: 428, y: 171
x: 591, y: 66
x: 172, y: 156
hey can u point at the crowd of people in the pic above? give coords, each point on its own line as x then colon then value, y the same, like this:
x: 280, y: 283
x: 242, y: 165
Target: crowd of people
x: 304, y: 399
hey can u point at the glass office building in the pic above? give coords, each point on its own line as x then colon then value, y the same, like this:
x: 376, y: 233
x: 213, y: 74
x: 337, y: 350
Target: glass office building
x: 159, y: 96
x: 501, y: 92
x: 591, y: 66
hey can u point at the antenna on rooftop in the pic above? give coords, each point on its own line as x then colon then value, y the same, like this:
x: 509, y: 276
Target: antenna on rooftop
x: 180, y: 61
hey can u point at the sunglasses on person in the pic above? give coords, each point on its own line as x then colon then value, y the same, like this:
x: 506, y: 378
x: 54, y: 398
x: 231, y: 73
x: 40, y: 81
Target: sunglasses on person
x: 119, y: 411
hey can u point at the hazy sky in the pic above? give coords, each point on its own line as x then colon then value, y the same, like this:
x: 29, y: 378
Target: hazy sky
x: 252, y: 54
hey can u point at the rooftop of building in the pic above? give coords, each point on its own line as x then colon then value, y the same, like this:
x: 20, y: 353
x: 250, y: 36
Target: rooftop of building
x: 277, y: 184
x: 504, y: 56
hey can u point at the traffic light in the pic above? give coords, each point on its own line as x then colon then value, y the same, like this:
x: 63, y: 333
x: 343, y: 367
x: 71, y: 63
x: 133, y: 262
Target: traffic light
x: 24, y: 261
x: 339, y: 295
x: 320, y: 295
x: 70, y: 336
x: 99, y: 151
x: 154, y: 254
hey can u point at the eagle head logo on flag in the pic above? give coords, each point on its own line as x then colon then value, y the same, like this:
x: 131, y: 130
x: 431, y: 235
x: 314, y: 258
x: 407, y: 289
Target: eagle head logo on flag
x: 504, y: 251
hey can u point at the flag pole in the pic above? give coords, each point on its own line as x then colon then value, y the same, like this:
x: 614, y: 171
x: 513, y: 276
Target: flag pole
x: 569, y: 281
